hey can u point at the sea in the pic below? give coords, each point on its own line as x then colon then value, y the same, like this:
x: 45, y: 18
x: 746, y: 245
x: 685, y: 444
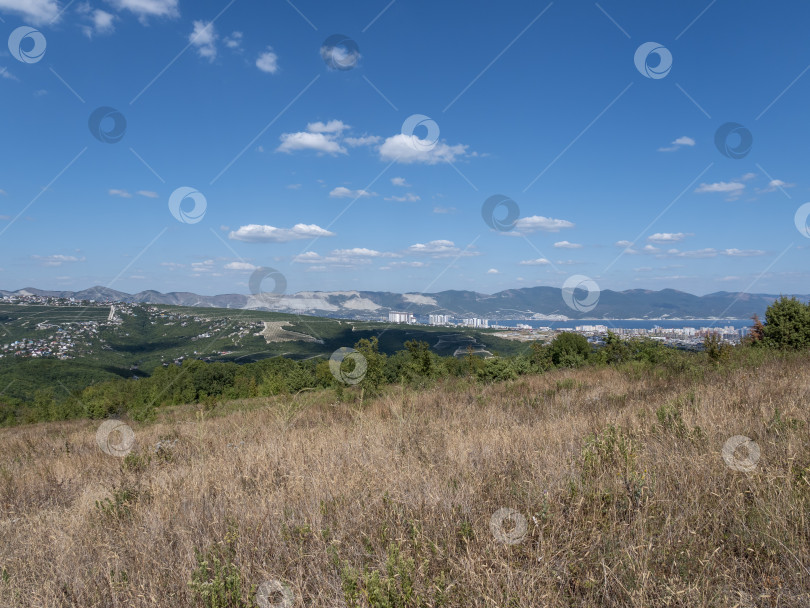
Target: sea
x: 632, y: 323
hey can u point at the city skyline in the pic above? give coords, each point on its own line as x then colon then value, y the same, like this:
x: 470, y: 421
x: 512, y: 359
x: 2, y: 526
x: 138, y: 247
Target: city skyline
x: 403, y: 147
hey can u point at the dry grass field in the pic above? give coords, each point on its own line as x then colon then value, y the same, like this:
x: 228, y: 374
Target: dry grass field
x: 589, y: 487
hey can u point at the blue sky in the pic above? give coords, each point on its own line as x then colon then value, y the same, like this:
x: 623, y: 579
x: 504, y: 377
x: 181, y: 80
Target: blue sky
x: 302, y: 156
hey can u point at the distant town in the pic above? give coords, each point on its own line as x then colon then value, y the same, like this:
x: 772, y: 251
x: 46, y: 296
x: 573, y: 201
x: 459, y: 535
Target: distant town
x: 74, y: 338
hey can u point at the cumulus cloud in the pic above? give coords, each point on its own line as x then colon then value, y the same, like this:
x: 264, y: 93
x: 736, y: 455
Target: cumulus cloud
x: 726, y: 187
x: 410, y: 197
x: 493, y: 271
x: 365, y: 140
x: 57, y: 260
x: 537, y: 262
x: 147, y: 8
x: 526, y: 225
x: 411, y: 149
x: 667, y: 237
x: 240, y: 266
x: 400, y: 181
x: 234, y: 41
x: 332, y: 126
x: 342, y: 258
x: 147, y: 193
x: 342, y: 192
x: 101, y: 22
x: 440, y: 249
x: 304, y: 140
x: 678, y: 143
x: 775, y: 184
x: 203, y: 38
x: 121, y: 193
x: 36, y: 11
x: 567, y: 245
x: 258, y: 233
x: 268, y: 61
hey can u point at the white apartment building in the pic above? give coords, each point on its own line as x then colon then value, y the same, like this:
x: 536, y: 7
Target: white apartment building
x: 401, y: 317
x: 439, y: 319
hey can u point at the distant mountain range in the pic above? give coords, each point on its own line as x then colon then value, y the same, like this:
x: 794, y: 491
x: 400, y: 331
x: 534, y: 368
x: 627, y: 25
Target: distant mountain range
x: 538, y: 303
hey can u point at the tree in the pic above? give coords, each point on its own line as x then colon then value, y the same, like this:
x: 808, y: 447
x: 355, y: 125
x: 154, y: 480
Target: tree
x: 374, y: 377
x: 614, y: 351
x: 756, y: 334
x: 569, y: 350
x: 787, y: 324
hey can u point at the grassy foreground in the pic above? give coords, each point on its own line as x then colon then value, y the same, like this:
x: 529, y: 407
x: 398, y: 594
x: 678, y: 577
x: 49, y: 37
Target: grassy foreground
x: 589, y: 487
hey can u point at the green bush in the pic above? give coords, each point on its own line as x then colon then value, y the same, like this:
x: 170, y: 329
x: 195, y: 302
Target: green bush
x: 569, y: 350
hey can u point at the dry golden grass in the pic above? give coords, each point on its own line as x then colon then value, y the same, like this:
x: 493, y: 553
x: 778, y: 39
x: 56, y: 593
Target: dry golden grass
x: 303, y: 490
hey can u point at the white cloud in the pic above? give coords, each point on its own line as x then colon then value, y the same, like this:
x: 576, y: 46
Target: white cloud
x: 743, y: 253
x: 493, y: 271
x: 204, y: 38
x: 148, y: 8
x: 678, y: 143
x: 650, y: 249
x: 6, y: 74
x: 443, y: 210
x: 341, y: 192
x: 667, y: 237
x: 257, y: 233
x: 364, y: 253
x: 748, y: 176
x: 268, y: 61
x: 776, y: 184
x: 121, y: 193
x: 56, y: 260
x: 3, y: 192
x: 35, y: 11
x: 303, y: 140
x: 234, y: 41
x: 410, y: 149
x: 293, y: 186
x: 400, y: 181
x: 440, y: 249
x: 342, y: 258
x: 410, y: 197
x: 728, y: 187
x: 533, y: 223
x: 708, y: 252
x: 147, y: 193
x: 240, y: 266
x: 333, y: 126
x: 567, y: 245
x: 624, y: 244
x: 366, y: 140
x: 101, y: 22
x: 537, y: 262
